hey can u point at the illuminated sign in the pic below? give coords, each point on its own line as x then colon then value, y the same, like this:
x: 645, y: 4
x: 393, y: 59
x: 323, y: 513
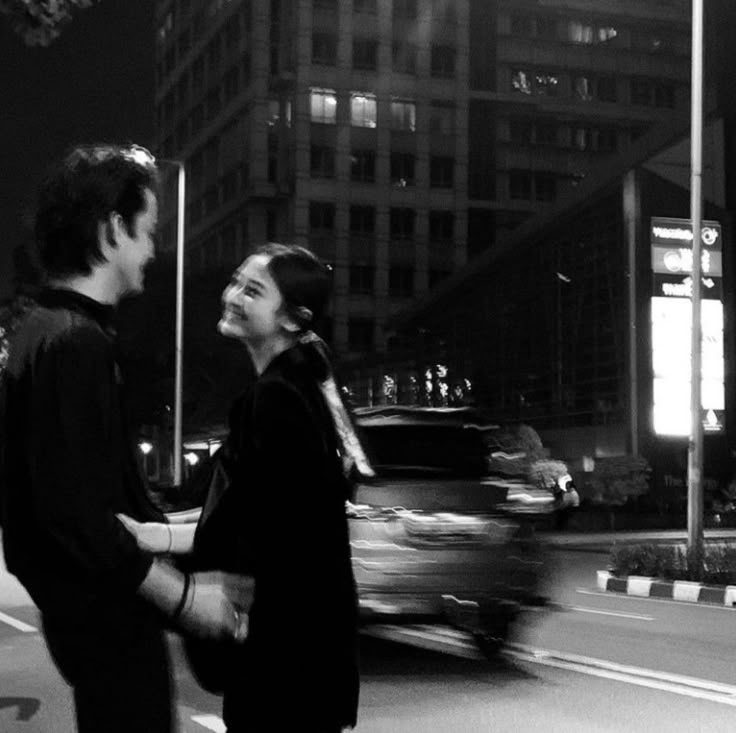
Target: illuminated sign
x: 671, y: 304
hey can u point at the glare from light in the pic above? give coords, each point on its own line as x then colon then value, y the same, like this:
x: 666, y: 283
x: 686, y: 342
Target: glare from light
x: 145, y: 447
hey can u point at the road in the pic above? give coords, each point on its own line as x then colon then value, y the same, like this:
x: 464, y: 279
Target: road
x: 596, y: 662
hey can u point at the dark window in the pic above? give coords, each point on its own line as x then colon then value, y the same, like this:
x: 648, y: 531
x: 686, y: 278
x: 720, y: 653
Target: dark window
x: 436, y: 276
x: 198, y: 74
x: 321, y: 216
x: 362, y: 278
x: 360, y: 334
x: 184, y: 43
x: 521, y: 132
x: 443, y: 62
x: 211, y: 199
x: 362, y: 219
x: 441, y: 171
x: 170, y: 60
x: 640, y: 92
x: 607, y: 141
x: 182, y: 89
x: 405, y: 8
x: 545, y: 186
x: 364, y: 6
x: 606, y: 89
x: 444, y: 11
x: 363, y: 166
x: 442, y: 118
x: 230, y: 185
x: 404, y: 58
x: 214, y: 54
x: 402, y: 223
x: 664, y: 96
x: 231, y: 84
x: 322, y: 161
x: 365, y: 54
x: 182, y: 134
x: 521, y: 25
x: 441, y: 226
x: 232, y: 32
x: 546, y: 28
x: 330, y: 5
x: 213, y: 103
x: 545, y: 133
x: 197, y: 118
x: 324, y: 49
x: 401, y: 281
x: 520, y: 185
x: 402, y: 169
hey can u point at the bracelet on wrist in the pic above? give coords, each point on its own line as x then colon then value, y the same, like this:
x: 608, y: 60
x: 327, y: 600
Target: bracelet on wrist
x: 183, y: 600
x: 170, y: 536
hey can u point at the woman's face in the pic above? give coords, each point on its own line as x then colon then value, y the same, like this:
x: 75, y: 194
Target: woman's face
x: 252, y: 303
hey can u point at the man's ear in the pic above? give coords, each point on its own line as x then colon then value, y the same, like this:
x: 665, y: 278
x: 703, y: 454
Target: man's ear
x: 110, y: 229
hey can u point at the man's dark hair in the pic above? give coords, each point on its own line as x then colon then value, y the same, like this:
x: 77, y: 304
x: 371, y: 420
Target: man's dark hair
x: 90, y: 183
x: 303, y: 279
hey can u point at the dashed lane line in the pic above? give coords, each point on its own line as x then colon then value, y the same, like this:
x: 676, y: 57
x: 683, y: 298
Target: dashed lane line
x: 599, y: 612
x: 654, y: 679
x: 16, y: 623
x: 211, y: 722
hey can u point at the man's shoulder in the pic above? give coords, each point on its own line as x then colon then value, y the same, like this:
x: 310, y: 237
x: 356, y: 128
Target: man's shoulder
x: 47, y: 328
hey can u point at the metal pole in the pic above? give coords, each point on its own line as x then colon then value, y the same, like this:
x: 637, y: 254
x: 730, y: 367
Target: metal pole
x: 179, y: 324
x: 695, y: 447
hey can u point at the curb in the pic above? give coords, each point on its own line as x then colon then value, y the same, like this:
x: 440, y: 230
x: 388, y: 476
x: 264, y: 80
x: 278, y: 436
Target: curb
x: 678, y: 590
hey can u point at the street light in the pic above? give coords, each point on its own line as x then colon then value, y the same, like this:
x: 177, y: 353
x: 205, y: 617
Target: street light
x: 179, y: 338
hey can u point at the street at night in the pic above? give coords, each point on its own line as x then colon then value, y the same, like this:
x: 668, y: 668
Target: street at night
x: 592, y: 662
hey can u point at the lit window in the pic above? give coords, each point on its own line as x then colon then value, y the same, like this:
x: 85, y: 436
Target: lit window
x: 362, y: 109
x: 545, y: 84
x: 584, y: 88
x: 521, y: 82
x: 323, y: 106
x: 403, y: 115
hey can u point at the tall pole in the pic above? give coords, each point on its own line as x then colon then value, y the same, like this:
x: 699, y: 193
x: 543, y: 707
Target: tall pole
x: 179, y: 323
x: 695, y: 447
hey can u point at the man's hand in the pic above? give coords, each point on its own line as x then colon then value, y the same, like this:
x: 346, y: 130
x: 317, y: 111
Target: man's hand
x: 159, y: 537
x: 219, y: 606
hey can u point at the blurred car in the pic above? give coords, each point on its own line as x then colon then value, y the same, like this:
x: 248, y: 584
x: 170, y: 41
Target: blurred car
x: 440, y: 534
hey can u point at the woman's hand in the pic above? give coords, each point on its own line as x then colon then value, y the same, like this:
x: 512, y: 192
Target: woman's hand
x: 155, y: 537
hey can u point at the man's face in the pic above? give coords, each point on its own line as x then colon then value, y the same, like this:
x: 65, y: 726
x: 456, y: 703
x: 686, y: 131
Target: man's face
x: 136, y: 249
x: 252, y: 303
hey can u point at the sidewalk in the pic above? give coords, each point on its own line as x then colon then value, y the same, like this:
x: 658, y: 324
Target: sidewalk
x: 608, y: 539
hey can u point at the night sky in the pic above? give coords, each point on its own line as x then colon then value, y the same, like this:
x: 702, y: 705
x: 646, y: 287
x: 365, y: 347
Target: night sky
x: 95, y: 82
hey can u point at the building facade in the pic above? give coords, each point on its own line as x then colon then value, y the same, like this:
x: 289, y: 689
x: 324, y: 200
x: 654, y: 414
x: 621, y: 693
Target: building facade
x: 399, y: 139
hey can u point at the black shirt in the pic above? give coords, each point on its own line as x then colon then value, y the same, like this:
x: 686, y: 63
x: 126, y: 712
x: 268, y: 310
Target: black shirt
x: 69, y: 462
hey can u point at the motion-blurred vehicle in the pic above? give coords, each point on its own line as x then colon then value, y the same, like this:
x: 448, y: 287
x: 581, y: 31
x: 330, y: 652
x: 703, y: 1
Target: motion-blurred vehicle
x: 444, y: 532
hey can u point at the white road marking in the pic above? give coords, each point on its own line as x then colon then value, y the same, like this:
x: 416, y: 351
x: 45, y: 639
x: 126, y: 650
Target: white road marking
x: 674, y: 683
x: 211, y: 722
x: 16, y: 624
x: 654, y: 599
x: 634, y: 616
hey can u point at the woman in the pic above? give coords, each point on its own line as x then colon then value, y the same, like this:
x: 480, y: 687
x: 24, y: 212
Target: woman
x: 286, y: 524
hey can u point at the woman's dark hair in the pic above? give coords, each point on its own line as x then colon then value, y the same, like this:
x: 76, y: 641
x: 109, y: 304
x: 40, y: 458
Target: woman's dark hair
x: 90, y: 183
x: 302, y: 278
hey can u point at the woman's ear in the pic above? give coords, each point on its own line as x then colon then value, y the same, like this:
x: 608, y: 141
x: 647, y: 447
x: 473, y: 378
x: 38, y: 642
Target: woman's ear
x: 298, y: 319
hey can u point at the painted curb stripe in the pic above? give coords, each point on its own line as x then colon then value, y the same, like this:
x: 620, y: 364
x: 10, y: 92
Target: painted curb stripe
x: 679, y: 590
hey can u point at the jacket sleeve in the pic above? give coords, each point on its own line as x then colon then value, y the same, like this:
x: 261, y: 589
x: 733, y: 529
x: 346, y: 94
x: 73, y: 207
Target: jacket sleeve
x: 76, y: 466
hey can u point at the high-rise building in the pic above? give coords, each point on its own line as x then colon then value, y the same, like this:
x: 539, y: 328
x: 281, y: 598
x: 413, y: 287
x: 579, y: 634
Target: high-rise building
x: 399, y: 138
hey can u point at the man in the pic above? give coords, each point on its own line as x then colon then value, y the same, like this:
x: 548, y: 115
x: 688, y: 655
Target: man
x: 70, y: 463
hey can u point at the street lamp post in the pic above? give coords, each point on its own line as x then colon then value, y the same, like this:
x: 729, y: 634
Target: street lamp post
x: 695, y: 447
x: 178, y: 381
x: 179, y: 328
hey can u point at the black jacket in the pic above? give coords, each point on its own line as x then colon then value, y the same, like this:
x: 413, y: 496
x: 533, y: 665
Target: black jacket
x: 290, y: 531
x: 70, y: 464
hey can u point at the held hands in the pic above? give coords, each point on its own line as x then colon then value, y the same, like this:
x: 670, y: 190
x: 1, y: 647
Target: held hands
x: 215, y: 605
x: 159, y: 537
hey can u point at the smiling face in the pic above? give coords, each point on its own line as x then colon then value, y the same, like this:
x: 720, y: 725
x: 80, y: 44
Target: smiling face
x: 252, y: 305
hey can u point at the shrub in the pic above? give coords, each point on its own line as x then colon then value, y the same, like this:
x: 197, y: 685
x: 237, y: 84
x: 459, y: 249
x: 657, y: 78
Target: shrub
x: 714, y: 563
x: 616, y: 479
